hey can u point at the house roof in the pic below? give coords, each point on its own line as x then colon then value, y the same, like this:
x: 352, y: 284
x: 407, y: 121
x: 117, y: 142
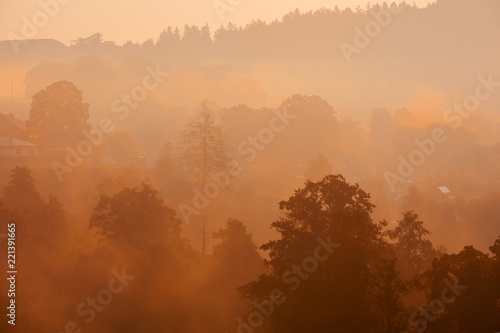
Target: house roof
x: 14, y: 121
x: 444, y: 189
x: 12, y: 142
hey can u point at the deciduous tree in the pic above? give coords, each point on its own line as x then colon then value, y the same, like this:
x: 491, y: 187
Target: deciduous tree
x: 58, y: 113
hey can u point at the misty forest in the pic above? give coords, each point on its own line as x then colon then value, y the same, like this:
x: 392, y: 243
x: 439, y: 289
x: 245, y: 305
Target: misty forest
x: 334, y: 170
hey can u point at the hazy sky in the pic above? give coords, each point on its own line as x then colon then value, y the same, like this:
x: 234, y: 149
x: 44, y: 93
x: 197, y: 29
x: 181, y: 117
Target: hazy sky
x: 120, y: 21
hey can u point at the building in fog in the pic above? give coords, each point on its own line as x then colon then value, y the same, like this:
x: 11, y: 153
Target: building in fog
x: 13, y: 136
x: 440, y: 193
x: 10, y: 126
x: 10, y: 147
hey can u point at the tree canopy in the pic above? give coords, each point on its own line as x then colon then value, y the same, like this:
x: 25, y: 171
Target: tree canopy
x: 58, y: 112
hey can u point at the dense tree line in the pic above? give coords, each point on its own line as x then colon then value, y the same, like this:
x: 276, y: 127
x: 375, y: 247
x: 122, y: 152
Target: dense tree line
x: 310, y: 141
x: 332, y: 268
x: 301, y: 34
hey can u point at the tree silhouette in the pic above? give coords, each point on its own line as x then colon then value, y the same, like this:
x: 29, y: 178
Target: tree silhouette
x: 233, y: 262
x: 314, y: 121
x: 203, y: 151
x: 415, y: 253
x: 317, y: 168
x: 389, y: 291
x: 41, y: 244
x: 58, y: 113
x: 138, y: 219
x: 471, y: 302
x: 495, y: 249
x: 203, y: 148
x: 338, y: 296
x: 236, y: 249
x: 21, y: 192
x: 41, y: 222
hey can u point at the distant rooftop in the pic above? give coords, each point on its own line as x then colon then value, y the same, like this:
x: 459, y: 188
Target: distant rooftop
x: 12, y: 142
x: 444, y: 189
x: 13, y: 120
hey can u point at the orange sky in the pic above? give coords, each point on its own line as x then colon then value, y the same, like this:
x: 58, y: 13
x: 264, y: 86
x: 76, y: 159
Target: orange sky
x: 120, y: 21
